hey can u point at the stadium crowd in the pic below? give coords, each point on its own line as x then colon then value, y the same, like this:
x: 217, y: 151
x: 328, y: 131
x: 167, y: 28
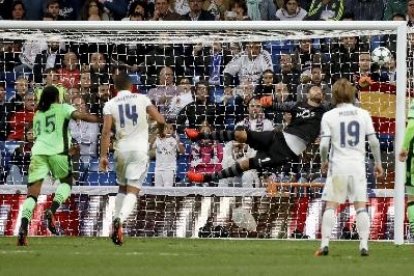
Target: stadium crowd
x: 209, y: 86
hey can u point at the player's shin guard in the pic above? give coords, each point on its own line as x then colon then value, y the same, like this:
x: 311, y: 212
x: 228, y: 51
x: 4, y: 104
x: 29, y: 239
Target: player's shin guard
x: 232, y: 171
x: 62, y: 193
x: 328, y: 221
x: 410, y: 216
x: 27, y: 213
x: 363, y: 224
x: 128, y: 205
x: 119, y: 199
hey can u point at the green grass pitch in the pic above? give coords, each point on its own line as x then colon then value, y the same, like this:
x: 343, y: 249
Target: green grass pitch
x: 156, y: 256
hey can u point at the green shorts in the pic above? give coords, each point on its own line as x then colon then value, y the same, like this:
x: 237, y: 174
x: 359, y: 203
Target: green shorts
x: 59, y: 166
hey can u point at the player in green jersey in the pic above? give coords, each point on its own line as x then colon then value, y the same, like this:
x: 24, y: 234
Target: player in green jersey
x: 407, y: 155
x: 50, y: 155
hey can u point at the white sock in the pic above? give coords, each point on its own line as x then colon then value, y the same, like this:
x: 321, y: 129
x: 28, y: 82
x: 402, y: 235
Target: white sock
x: 328, y: 221
x: 119, y: 199
x: 363, y: 225
x: 127, y: 206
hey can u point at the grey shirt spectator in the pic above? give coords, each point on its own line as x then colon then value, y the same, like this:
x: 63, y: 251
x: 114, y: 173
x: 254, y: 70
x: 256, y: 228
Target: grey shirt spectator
x: 365, y: 10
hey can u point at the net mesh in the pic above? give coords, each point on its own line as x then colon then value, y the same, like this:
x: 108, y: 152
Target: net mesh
x: 84, y: 62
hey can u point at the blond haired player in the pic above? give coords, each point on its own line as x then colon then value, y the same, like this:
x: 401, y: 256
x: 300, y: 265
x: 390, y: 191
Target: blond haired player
x: 345, y: 128
x: 128, y: 112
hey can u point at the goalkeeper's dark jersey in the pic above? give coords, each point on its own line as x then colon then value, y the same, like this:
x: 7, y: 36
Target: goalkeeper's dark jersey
x: 306, y: 120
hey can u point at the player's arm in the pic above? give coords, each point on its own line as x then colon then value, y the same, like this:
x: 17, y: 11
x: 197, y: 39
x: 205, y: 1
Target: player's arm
x: 375, y: 147
x: 105, y: 140
x: 76, y: 115
x: 267, y: 101
x: 408, y: 136
x: 152, y: 111
x: 324, y: 143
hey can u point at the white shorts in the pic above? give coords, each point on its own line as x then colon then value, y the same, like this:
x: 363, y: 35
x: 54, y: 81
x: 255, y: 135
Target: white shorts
x: 346, y: 183
x: 131, y: 167
x: 164, y: 178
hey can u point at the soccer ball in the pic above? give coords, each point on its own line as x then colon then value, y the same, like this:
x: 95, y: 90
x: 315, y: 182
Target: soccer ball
x: 381, y: 55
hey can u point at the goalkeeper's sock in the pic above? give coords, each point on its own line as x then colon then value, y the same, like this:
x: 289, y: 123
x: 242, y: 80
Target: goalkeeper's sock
x: 222, y: 135
x: 119, y: 199
x: 363, y: 224
x: 410, y: 216
x: 127, y: 206
x: 27, y: 212
x: 232, y: 171
x: 328, y: 221
x: 62, y: 193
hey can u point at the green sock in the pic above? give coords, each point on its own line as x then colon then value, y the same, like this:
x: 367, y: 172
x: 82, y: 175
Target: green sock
x: 61, y: 194
x: 410, y: 215
x: 28, y: 207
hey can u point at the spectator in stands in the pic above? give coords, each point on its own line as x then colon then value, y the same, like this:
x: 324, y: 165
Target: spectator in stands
x: 98, y: 69
x: 163, y: 12
x: 98, y: 100
x: 306, y: 54
x: 53, y: 8
x: 183, y: 98
x: 20, y: 119
x: 85, y: 135
x: 206, y: 155
x: 233, y: 152
x: 255, y: 120
x: 248, y: 65
x: 365, y: 10
x: 137, y: 11
x: 117, y: 9
x: 85, y: 87
x: 410, y: 13
x: 266, y: 85
x: 202, y: 109
x: 166, y: 89
x: 291, y: 10
x: 166, y: 148
x: 391, y: 69
x: 18, y: 10
x: 326, y: 10
x: 21, y: 156
x: 216, y: 7
x: 196, y: 12
x: 50, y: 77
x: 9, y: 57
x: 21, y: 87
x: 48, y: 17
x: 50, y: 58
x: 393, y: 7
x: 69, y: 73
x: 316, y: 80
x: 345, y: 59
x: 289, y: 74
x: 238, y: 11
x: 93, y: 10
x: 369, y: 72
x: 4, y: 110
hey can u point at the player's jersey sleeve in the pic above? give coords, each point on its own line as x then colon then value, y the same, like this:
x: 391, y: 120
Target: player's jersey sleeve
x: 68, y: 110
x: 411, y: 110
x: 107, y: 108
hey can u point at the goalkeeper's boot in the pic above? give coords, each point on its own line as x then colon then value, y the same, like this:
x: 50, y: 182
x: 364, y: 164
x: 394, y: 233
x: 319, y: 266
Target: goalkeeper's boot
x: 195, y: 177
x: 324, y: 251
x: 51, y: 223
x: 192, y: 134
x: 364, y: 252
x: 22, y: 237
x: 117, y: 235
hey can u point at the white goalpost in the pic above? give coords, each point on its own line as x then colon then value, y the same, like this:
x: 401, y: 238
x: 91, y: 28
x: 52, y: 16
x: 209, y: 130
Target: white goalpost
x: 182, y: 32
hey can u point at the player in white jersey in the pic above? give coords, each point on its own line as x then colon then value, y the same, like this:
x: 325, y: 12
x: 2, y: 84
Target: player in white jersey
x: 345, y: 129
x: 128, y: 112
x: 166, y: 149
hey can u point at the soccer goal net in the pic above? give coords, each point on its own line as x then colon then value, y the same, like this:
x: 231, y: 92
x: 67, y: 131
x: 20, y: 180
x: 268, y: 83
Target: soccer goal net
x: 238, y: 63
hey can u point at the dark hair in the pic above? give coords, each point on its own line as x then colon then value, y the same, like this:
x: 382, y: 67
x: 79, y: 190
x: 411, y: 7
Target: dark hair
x: 122, y: 81
x: 50, y: 95
x: 133, y: 5
x: 48, y: 15
x: 19, y: 2
x: 52, y: 2
x: 286, y: 1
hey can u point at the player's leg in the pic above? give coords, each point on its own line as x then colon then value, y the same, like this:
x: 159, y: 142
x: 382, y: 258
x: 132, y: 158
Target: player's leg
x: 410, y: 212
x: 260, y: 161
x: 61, y: 168
x: 38, y: 170
x: 328, y: 221
x: 358, y: 194
x: 334, y: 193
